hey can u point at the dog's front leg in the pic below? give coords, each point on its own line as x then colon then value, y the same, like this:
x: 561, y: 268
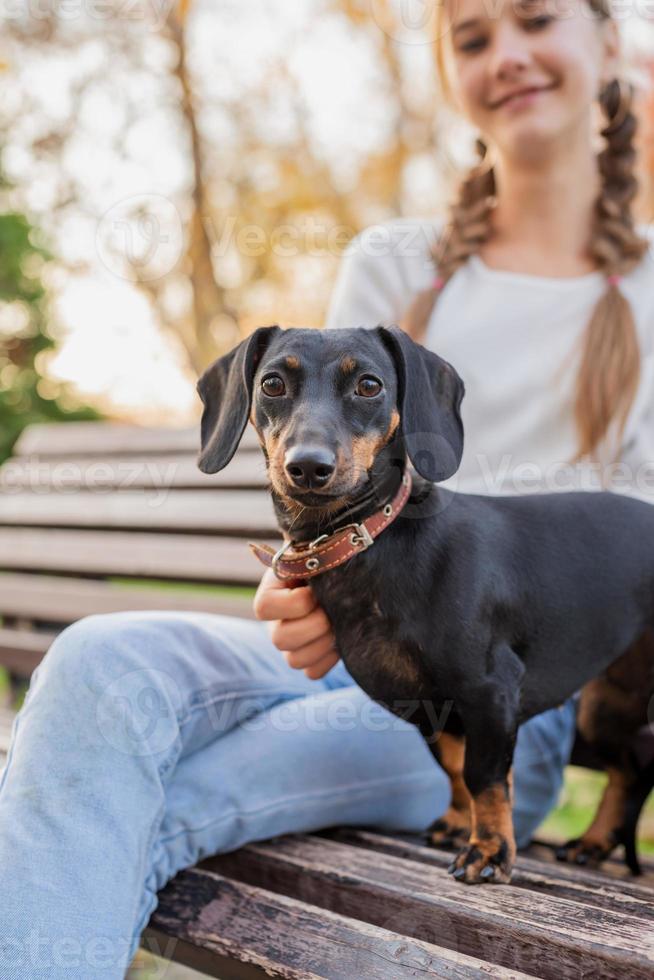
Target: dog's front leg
x: 489, y: 716
x: 453, y: 828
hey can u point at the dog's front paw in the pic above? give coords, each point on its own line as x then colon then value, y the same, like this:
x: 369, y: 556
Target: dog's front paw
x: 451, y: 831
x: 589, y: 850
x: 481, y: 861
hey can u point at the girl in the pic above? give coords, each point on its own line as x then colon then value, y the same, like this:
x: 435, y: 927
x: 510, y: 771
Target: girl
x: 149, y: 740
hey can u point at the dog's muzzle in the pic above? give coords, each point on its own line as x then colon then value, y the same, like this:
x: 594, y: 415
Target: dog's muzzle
x: 330, y: 550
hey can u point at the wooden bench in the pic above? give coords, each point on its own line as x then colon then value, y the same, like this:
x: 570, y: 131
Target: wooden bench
x: 89, y: 513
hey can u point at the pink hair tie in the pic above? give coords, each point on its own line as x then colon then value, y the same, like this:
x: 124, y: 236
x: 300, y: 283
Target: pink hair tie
x: 438, y: 283
x: 614, y: 280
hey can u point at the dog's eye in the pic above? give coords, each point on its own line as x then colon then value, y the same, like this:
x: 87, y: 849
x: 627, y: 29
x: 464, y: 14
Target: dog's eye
x: 368, y: 386
x: 273, y: 385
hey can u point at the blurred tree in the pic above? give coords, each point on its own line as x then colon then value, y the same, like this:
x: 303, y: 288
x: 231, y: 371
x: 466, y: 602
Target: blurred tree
x: 26, y: 395
x: 162, y: 108
x: 265, y: 219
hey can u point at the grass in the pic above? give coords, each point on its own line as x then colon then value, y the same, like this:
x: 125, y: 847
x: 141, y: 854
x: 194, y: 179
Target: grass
x: 145, y: 966
x: 194, y: 588
x: 582, y: 789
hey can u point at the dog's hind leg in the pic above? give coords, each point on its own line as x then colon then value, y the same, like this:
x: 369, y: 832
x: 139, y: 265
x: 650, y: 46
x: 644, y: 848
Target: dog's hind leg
x: 453, y: 828
x: 611, y: 710
x: 604, y: 833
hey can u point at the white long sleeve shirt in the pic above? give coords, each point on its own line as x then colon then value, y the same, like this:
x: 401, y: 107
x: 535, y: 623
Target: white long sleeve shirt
x: 514, y: 339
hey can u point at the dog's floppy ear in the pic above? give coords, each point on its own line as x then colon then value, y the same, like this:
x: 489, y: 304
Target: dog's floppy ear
x: 429, y: 399
x: 226, y: 392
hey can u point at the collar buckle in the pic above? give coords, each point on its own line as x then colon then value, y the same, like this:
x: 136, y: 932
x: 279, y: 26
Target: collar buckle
x: 360, y: 536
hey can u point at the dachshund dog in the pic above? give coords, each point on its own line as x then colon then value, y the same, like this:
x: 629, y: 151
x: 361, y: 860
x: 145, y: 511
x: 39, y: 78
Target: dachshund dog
x: 477, y: 612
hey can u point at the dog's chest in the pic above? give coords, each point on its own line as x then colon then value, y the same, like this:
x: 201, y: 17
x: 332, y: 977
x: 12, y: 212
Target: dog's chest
x: 386, y: 664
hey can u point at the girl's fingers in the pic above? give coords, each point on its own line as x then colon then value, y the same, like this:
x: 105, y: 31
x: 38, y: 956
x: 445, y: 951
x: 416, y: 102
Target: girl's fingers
x: 292, y: 634
x: 325, y: 664
x: 308, y: 655
x: 276, y: 600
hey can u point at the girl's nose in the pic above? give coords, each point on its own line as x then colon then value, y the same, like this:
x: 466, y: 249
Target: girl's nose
x: 510, y: 54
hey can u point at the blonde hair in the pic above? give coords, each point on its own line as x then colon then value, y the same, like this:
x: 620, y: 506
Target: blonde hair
x: 609, y: 372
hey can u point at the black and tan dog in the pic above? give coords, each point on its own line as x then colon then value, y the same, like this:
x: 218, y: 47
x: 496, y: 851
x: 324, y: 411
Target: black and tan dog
x: 467, y: 609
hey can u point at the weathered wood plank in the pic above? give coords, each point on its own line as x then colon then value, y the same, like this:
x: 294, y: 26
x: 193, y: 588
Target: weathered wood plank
x: 614, y: 871
x: 20, y: 651
x: 233, y: 930
x: 594, y: 888
x: 236, y: 512
x: 545, y: 936
x: 108, y: 438
x: 63, y: 600
x: 69, y: 473
x: 180, y: 557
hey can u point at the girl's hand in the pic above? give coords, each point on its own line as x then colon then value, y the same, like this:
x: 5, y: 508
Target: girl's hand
x: 299, y: 627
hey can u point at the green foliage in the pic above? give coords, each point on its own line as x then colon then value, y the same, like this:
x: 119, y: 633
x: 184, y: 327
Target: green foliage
x: 25, y: 396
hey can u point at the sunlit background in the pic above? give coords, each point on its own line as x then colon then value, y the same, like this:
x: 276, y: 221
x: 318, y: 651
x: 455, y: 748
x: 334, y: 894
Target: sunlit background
x: 196, y: 169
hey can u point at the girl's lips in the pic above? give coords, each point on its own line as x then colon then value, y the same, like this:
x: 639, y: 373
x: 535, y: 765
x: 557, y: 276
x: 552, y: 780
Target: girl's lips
x: 524, y: 98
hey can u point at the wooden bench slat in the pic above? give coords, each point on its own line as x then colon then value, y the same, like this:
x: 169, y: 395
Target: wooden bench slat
x: 109, y: 438
x: 63, y: 600
x: 549, y: 937
x: 218, y: 920
x: 141, y: 555
x: 244, y: 512
x: 614, y: 872
x: 627, y: 896
x: 21, y: 652
x: 75, y: 472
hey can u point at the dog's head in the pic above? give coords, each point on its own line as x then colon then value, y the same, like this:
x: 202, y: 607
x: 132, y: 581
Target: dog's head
x: 327, y: 405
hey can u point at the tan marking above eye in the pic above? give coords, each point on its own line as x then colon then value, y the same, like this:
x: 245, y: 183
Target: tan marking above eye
x: 348, y: 365
x: 292, y: 362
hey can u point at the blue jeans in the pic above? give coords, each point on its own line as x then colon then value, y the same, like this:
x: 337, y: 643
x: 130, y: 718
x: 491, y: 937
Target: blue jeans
x: 149, y: 740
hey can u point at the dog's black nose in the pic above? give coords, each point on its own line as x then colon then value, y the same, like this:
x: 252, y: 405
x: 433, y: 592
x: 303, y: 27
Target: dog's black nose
x: 309, y: 466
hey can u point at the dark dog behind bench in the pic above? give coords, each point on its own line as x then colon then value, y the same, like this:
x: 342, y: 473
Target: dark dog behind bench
x: 478, y: 611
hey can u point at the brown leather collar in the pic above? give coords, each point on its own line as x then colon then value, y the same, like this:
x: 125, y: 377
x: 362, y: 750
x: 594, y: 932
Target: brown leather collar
x: 330, y: 550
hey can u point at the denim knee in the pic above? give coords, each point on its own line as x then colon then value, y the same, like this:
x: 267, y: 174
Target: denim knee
x: 100, y: 683
x: 87, y: 655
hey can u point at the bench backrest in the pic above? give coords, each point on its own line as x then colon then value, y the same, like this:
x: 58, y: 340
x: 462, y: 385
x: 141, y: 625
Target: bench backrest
x: 85, y: 504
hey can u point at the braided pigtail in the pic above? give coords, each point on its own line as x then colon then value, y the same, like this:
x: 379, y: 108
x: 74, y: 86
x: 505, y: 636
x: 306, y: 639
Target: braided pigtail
x: 467, y: 227
x: 610, y: 361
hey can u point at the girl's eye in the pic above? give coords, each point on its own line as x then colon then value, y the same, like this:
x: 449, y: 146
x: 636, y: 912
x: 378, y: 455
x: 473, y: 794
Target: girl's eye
x: 530, y: 23
x: 368, y: 387
x: 472, y: 45
x: 538, y: 21
x: 273, y: 385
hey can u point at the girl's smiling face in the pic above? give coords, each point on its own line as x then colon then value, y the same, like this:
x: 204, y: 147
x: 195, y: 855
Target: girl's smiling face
x: 561, y: 51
